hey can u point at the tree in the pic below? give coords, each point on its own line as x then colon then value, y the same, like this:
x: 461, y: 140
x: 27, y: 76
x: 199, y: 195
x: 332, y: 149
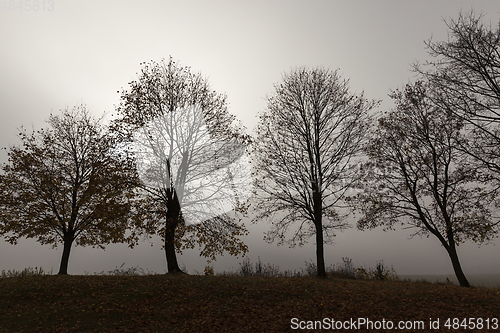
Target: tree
x: 417, y: 176
x: 188, y: 148
x: 307, y: 138
x: 465, y: 73
x: 65, y: 185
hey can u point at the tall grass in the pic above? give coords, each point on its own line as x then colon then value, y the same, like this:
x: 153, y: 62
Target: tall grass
x: 25, y: 272
x: 345, y: 270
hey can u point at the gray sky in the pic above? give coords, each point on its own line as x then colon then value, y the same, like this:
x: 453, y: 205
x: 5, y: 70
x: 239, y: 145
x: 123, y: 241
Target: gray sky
x: 84, y: 52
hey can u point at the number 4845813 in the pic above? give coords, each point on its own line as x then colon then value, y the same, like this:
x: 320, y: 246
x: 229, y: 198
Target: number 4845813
x: 471, y: 323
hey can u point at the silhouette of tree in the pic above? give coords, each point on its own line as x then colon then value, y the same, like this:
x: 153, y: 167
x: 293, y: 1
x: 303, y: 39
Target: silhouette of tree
x: 417, y: 176
x: 190, y: 152
x: 65, y: 185
x: 307, y: 139
x: 465, y: 73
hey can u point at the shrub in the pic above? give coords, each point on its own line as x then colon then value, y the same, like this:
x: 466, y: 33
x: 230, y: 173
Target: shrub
x: 259, y: 269
x: 209, y: 270
x: 126, y: 271
x: 246, y: 268
x: 311, y: 268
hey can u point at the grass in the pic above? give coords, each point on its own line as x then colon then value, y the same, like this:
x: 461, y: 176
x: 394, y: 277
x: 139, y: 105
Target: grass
x: 212, y: 303
x: 345, y: 270
x: 25, y: 272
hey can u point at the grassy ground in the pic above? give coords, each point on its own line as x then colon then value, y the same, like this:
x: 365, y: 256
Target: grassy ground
x: 184, y: 303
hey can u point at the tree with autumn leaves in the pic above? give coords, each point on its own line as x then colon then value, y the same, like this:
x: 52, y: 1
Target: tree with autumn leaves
x: 418, y: 175
x: 65, y: 185
x: 434, y: 159
x: 188, y: 148
x: 79, y: 181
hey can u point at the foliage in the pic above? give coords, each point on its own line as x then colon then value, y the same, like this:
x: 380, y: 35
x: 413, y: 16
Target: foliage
x: 218, y: 235
x: 64, y: 184
x: 183, y: 303
x: 417, y: 175
x: 192, y: 137
x: 307, y: 140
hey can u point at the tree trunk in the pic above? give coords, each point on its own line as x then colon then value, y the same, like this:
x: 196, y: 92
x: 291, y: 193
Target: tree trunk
x: 172, y: 220
x: 320, y: 253
x: 172, y: 265
x: 452, y: 252
x: 68, y: 241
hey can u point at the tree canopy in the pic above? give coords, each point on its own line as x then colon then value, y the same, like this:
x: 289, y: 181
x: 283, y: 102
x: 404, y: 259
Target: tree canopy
x: 188, y: 148
x: 418, y: 176
x: 307, y: 140
x: 64, y: 185
x: 465, y: 73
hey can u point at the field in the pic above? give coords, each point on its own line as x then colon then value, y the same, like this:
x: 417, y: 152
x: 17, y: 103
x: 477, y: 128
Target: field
x: 195, y: 303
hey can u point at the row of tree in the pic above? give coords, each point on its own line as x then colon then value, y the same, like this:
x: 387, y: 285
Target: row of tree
x: 169, y: 164
x: 173, y: 162
x: 431, y: 163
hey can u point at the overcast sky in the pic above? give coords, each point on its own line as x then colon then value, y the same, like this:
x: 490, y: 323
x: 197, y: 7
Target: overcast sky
x: 84, y: 52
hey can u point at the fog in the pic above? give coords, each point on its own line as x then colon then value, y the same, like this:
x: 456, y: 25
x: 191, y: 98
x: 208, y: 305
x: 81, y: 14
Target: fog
x: 87, y: 51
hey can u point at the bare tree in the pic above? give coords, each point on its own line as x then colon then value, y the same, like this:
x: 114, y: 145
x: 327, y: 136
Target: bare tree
x: 190, y: 153
x: 307, y: 139
x: 64, y: 184
x: 418, y: 176
x: 465, y: 73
